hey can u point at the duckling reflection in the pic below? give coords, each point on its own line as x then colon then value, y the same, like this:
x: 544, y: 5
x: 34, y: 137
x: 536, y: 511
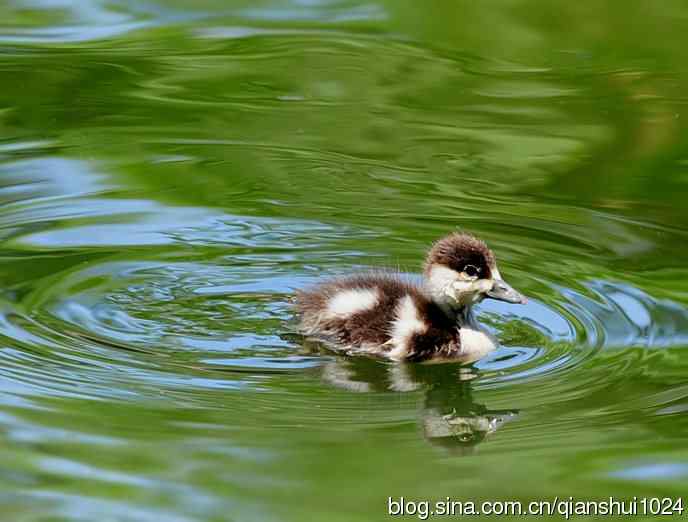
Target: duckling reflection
x: 450, y: 417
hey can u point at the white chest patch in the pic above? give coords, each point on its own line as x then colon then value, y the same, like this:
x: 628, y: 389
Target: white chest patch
x: 406, y: 324
x: 476, y: 343
x: 349, y: 302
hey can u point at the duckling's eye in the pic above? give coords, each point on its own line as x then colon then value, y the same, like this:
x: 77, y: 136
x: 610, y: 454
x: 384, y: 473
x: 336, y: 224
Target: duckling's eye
x: 471, y: 270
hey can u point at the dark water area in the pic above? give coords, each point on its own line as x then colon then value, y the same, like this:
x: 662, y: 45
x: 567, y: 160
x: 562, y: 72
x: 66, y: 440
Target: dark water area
x: 171, y: 172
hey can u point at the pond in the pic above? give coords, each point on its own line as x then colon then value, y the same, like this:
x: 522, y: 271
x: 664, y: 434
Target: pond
x: 171, y: 172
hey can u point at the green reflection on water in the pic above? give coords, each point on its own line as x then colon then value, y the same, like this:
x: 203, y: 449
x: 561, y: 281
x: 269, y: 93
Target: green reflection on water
x: 169, y: 174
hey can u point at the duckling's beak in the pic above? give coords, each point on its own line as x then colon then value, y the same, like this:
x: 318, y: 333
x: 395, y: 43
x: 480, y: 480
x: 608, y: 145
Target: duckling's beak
x: 503, y: 292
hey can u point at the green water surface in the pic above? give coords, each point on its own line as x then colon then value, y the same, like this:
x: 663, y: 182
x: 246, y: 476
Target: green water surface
x: 170, y: 172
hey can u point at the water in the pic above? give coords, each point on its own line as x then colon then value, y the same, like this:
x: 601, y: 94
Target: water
x: 171, y: 172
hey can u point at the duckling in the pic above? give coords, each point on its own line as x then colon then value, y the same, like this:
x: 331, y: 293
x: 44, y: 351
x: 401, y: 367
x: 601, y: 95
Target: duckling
x: 382, y: 314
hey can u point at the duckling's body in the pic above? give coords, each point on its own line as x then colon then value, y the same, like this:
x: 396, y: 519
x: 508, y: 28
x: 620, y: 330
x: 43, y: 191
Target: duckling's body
x: 384, y: 315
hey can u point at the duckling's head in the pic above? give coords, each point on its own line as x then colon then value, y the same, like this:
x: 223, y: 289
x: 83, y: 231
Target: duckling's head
x: 461, y: 270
